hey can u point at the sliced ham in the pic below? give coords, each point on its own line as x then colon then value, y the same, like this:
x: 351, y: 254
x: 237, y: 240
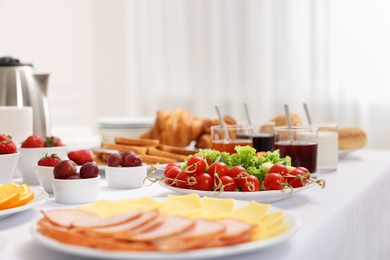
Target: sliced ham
x: 128, y: 229
x: 141, y: 231
x: 107, y: 221
x: 65, y: 217
x: 151, y: 224
x: 204, y: 232
x: 66, y: 235
x: 172, y: 225
x: 236, y: 232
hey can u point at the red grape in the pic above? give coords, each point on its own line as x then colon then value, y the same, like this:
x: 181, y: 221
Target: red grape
x: 126, y: 153
x: 64, y: 169
x: 132, y: 160
x: 89, y: 170
x: 114, y: 160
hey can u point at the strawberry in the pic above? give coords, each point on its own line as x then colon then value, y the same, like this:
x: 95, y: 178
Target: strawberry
x: 52, y: 141
x: 4, y: 137
x: 80, y: 157
x: 7, y: 146
x: 49, y: 160
x: 33, y: 141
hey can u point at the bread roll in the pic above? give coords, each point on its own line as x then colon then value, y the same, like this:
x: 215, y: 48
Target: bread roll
x: 280, y: 120
x: 351, y: 138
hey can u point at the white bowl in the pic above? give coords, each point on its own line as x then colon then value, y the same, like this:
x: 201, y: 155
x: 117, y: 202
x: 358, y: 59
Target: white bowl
x: 8, y: 163
x: 45, y: 177
x: 30, y: 156
x: 76, y: 191
x: 126, y: 177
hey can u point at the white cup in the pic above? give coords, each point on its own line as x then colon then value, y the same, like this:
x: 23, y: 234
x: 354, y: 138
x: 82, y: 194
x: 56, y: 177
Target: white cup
x: 328, y: 147
x: 16, y: 122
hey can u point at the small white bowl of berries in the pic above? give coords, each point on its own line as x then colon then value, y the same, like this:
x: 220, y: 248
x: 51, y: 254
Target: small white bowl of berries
x: 33, y: 149
x: 9, y: 157
x: 71, y: 186
x: 125, y: 170
x: 44, y: 171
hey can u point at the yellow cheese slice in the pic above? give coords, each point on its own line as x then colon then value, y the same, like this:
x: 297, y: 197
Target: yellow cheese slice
x: 104, y: 208
x: 144, y: 203
x: 274, y: 231
x: 252, y: 212
x: 185, y: 205
x: 273, y: 219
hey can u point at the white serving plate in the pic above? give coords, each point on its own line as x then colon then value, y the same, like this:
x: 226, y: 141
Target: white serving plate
x: 40, y: 196
x: 192, y: 254
x: 259, y: 196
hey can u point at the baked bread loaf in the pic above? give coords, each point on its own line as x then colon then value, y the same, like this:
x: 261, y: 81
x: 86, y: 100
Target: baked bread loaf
x: 179, y: 128
x: 176, y: 128
x: 351, y: 138
x: 280, y: 120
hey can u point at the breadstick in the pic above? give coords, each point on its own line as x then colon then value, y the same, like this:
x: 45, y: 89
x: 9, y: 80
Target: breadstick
x: 136, y: 141
x: 176, y: 149
x: 153, y: 159
x: 101, y: 152
x: 157, y: 152
x: 121, y: 147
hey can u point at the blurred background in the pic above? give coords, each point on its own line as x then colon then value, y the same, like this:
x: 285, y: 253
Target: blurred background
x: 132, y: 57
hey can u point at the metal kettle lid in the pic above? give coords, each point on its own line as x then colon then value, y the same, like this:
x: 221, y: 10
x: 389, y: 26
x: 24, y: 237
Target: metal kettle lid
x: 11, y: 62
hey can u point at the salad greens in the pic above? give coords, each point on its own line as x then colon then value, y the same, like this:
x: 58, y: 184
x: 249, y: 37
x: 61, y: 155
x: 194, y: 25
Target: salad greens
x: 246, y: 156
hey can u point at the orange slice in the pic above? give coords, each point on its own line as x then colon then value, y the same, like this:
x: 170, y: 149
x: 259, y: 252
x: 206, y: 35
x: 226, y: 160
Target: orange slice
x: 14, y: 195
x: 8, y: 201
x: 23, y: 200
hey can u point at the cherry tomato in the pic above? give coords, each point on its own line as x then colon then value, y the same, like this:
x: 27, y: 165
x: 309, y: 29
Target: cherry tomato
x: 171, y: 175
x: 250, y: 183
x: 297, y: 178
x: 218, y: 167
x: 173, y: 164
x: 303, y: 169
x: 227, y: 184
x: 196, y: 165
x: 278, y: 168
x: 237, y: 173
x: 182, y: 180
x: 204, y: 181
x: 274, y: 181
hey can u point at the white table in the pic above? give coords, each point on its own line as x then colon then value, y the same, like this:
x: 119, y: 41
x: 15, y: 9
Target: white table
x: 349, y: 219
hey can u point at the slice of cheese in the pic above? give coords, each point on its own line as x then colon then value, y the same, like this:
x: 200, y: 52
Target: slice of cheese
x: 185, y: 205
x: 104, y: 208
x: 144, y: 203
x: 252, y: 212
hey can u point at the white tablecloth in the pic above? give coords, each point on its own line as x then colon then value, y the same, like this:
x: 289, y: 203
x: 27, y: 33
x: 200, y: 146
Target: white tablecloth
x: 349, y: 219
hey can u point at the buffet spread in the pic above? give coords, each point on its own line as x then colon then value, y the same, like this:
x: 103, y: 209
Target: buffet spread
x: 169, y: 194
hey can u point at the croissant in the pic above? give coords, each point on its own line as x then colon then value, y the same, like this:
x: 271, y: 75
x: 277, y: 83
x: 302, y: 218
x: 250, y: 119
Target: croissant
x: 176, y: 128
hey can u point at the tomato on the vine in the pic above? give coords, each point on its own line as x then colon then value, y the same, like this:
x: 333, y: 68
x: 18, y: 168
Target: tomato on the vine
x: 182, y: 180
x: 237, y: 173
x: 250, y: 183
x: 218, y: 167
x: 227, y: 184
x: 274, y: 181
x: 170, y: 174
x: 303, y: 169
x: 297, y: 178
x: 204, y: 182
x: 196, y: 165
x: 172, y: 164
x: 278, y: 168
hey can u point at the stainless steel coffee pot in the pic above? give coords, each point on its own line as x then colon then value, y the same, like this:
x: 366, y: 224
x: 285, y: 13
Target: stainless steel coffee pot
x: 20, y: 87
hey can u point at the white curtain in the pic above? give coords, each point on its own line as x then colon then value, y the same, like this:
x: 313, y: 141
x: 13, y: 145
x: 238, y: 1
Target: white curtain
x: 194, y: 54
